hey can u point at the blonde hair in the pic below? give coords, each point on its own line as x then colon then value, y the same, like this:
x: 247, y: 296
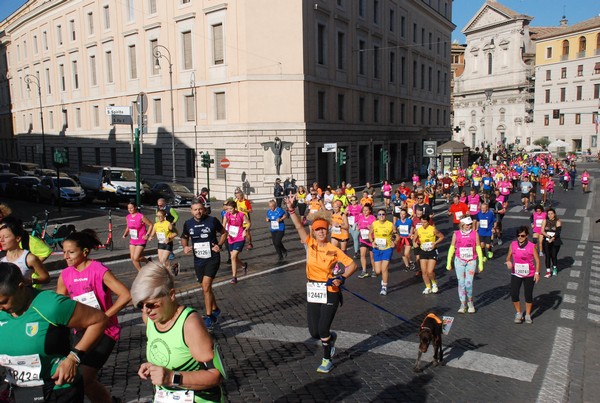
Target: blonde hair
x: 153, y: 281
x: 320, y: 215
x: 5, y: 210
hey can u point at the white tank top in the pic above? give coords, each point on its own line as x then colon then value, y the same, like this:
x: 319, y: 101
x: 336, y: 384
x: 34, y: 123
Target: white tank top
x: 21, y: 261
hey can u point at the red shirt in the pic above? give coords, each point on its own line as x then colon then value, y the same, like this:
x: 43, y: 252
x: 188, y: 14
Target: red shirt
x: 458, y: 211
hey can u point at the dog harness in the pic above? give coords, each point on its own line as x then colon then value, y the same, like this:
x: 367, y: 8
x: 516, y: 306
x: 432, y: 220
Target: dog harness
x: 432, y: 316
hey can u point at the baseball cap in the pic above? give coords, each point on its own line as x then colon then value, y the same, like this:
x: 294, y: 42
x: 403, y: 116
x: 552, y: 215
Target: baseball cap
x: 466, y: 220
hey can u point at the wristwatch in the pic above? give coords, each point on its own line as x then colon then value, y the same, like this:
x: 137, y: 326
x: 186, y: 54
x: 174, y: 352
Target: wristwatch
x: 177, y: 379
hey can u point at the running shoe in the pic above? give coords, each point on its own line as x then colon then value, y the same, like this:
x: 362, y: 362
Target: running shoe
x: 208, y: 322
x: 548, y: 273
x: 175, y: 269
x: 250, y: 246
x: 364, y: 274
x: 373, y: 274
x: 412, y: 266
x: 383, y: 290
x: 471, y: 307
x: 434, y: 289
x: 325, y: 366
x: 554, y: 271
x: 427, y: 290
x: 418, y: 273
x: 245, y: 268
x: 332, y: 340
x: 462, y: 308
x: 518, y: 318
x: 499, y: 241
x: 233, y: 280
x: 528, y: 319
x: 216, y: 313
x: 490, y: 254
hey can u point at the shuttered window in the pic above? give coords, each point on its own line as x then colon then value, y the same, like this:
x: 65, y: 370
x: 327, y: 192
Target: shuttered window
x: 217, y: 32
x: 220, y: 112
x: 187, y: 50
x: 132, y: 62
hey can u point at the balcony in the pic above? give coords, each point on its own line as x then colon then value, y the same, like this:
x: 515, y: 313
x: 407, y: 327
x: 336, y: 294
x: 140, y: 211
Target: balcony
x: 581, y: 54
x: 564, y: 57
x: 598, y: 52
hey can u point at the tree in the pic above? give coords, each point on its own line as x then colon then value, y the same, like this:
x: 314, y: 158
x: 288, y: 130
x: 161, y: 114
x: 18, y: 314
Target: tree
x: 543, y: 142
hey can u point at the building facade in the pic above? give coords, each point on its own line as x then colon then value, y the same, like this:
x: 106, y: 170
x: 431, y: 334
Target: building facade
x: 266, y: 93
x: 493, y: 98
x: 567, y: 85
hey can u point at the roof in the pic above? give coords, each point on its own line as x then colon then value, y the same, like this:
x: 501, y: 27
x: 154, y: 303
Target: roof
x: 505, y: 10
x: 452, y: 145
x: 549, y: 32
x: 499, y: 10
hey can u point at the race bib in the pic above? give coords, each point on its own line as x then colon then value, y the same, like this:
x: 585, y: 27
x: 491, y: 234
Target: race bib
x: 458, y: 215
x: 504, y: 190
x: 386, y: 193
x: 351, y: 220
x: 169, y: 396
x: 538, y: 222
x: 465, y: 253
x: 316, y: 292
x: 23, y: 371
x: 403, y: 229
x: 427, y: 246
x: 410, y: 211
x: 472, y: 208
x: 542, y: 191
x: 233, y: 231
x: 133, y: 234
x: 301, y: 201
x: 202, y: 250
x: 162, y: 237
x: 89, y: 299
x: 566, y: 178
x: 364, y: 234
x: 275, y: 225
x: 380, y: 242
x: 336, y: 230
x: 446, y: 185
x: 483, y: 224
x: 522, y: 269
x: 328, y: 206
x: 397, y: 209
x: 550, y: 234
x: 313, y: 211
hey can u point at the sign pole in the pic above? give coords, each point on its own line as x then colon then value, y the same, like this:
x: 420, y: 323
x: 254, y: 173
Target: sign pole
x: 225, y: 173
x: 136, y: 156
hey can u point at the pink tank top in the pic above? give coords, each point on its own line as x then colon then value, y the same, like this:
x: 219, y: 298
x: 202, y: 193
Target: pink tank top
x: 473, y: 204
x: 235, y: 227
x: 524, y: 265
x: 504, y: 188
x: 465, y: 245
x: 88, y: 288
x: 585, y: 178
x: 363, y: 227
x: 137, y: 229
x: 538, y: 218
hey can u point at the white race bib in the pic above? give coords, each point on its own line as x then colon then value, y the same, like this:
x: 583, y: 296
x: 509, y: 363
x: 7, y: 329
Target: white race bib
x: 351, y: 220
x: 316, y: 292
x: 328, y: 206
x: 483, y: 224
x: 179, y: 396
x: 233, y: 231
x: 162, y: 237
x: 133, y: 234
x: 458, y: 215
x: 380, y: 242
x: 522, y: 269
x: 301, y: 201
x: 274, y: 225
x: 472, y: 208
x: 542, y: 191
x: 89, y: 299
x: 410, y: 211
x: 504, y: 190
x: 364, y: 234
x: 386, y: 193
x: 202, y: 250
x: 427, y: 246
x: 336, y: 230
x: 397, y: 209
x: 550, y: 234
x: 22, y: 370
x: 403, y: 229
x: 538, y: 222
x: 465, y: 253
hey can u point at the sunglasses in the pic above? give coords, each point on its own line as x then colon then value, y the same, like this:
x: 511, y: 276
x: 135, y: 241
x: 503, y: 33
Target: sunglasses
x: 148, y: 305
x: 522, y: 236
x: 381, y: 214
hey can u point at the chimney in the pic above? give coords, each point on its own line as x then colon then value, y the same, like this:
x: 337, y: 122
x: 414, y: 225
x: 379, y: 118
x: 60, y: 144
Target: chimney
x: 564, y: 22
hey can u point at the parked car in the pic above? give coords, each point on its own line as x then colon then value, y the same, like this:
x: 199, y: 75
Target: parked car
x: 108, y: 183
x: 4, y: 178
x: 41, y: 172
x: 70, y: 191
x: 23, y: 168
x: 22, y: 187
x: 175, y: 194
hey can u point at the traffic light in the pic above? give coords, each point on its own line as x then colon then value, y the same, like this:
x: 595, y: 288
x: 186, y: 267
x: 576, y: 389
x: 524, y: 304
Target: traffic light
x: 206, y: 160
x: 556, y: 114
x: 341, y: 156
x: 385, y: 156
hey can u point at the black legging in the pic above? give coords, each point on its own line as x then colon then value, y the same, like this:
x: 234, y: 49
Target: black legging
x: 320, y: 316
x: 550, y: 253
x: 515, y: 288
x: 277, y: 238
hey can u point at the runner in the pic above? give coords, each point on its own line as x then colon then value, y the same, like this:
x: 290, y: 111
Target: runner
x: 405, y: 230
x: 236, y: 224
x: 386, y: 191
x: 524, y: 263
x: 585, y: 181
x: 473, y: 201
x: 339, y: 227
x: 466, y: 252
x: 447, y: 184
x: 204, y: 199
x: 170, y: 213
x: 397, y: 203
x: 328, y: 198
x: 93, y: 284
x: 500, y: 208
x: 276, y: 218
x: 138, y: 228
x: 381, y: 237
x: 244, y: 206
x: 163, y: 230
x: 536, y: 220
x: 526, y: 187
x: 428, y: 238
x: 301, y: 200
x: 352, y: 213
x: 457, y: 211
x: 485, y: 220
x: 551, y: 228
x: 322, y: 288
x: 365, y: 219
x: 200, y: 236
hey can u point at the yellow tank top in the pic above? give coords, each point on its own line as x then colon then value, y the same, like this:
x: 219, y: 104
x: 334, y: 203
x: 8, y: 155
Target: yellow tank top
x: 426, y: 234
x: 382, y: 234
x: 163, y: 234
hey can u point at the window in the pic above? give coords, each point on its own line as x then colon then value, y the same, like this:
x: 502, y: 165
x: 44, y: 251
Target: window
x: 321, y: 105
x: 391, y: 21
x: 61, y: 77
x: 321, y: 43
x: 403, y: 26
x: 578, y: 118
x: 75, y: 75
x: 422, y: 76
x: 561, y: 120
x: 157, y: 108
x: 90, y: 23
x: 361, y: 109
x: 402, y: 113
x: 422, y: 115
x: 96, y: 115
x: 429, y: 78
x: 48, y: 84
x: 45, y: 40
x: 220, y: 112
x: 439, y: 81
x: 375, y: 12
x: 582, y: 45
x: 109, y: 67
x: 132, y: 62
x: 340, y: 50
x: 430, y: 43
x: 414, y: 79
x: 93, y: 77
x: 563, y: 94
x: 549, y: 53
x: 77, y: 117
x: 340, y: 106
x: 186, y: 38
x: 445, y: 85
x: 97, y: 155
x: 490, y: 64
x: 130, y: 10
x: 25, y: 49
x: 217, y: 44
x: 59, y: 35
x: 414, y: 118
x: 375, y: 110
x: 106, y: 12
x: 51, y: 119
x: 596, y: 91
x: 548, y: 75
x: 375, y: 61
x: 185, y: 1
x: 429, y: 115
x: 190, y: 109
x: 392, y: 67
x: 414, y: 32
x: 361, y: 8
x: 35, y: 44
x: 403, y: 70
x: 152, y: 6
x: 190, y: 163
x: 154, y: 67
x: 563, y: 72
x: 579, y: 92
x: 392, y: 113
x: 580, y: 70
x: 361, y: 57
x: 546, y: 120
x: 565, y: 49
x: 158, y: 161
x: 422, y: 36
x: 597, y: 66
x: 72, y: 28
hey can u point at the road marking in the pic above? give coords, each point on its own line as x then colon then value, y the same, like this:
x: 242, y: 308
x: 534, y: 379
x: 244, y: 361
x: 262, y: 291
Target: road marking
x: 567, y: 314
x: 595, y: 283
x: 580, y: 246
x: 595, y: 268
x: 469, y: 360
x: 560, y: 211
x: 579, y: 253
x: 575, y: 273
x: 554, y: 387
x: 595, y: 275
x: 594, y: 298
x: 594, y: 317
x: 580, y: 212
x: 569, y: 299
x: 576, y: 263
x: 594, y: 307
x: 596, y: 247
x: 572, y: 286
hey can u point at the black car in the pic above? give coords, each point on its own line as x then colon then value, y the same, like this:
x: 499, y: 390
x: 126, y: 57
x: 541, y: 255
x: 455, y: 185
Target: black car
x: 174, y: 194
x: 22, y: 187
x: 4, y: 179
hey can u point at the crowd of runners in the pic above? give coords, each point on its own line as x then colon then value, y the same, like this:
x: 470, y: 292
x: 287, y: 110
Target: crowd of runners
x: 342, y: 229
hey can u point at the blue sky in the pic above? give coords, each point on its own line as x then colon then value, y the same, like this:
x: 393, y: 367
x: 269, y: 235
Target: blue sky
x: 546, y: 12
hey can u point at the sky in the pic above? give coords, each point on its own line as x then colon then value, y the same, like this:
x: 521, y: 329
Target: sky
x: 545, y: 12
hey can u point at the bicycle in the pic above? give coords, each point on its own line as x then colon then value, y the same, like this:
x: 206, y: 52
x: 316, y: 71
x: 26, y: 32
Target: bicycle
x: 59, y: 233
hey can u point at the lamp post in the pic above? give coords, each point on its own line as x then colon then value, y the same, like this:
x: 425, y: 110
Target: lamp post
x: 29, y: 78
x: 157, y: 53
x: 193, y: 87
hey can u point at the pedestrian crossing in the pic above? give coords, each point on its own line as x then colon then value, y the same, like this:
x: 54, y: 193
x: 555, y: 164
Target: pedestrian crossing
x: 594, y: 286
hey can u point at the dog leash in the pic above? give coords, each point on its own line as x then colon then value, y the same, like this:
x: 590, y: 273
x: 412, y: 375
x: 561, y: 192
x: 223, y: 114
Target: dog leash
x: 375, y: 305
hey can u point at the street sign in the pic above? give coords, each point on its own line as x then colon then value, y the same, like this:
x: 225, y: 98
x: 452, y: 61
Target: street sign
x: 329, y: 148
x: 118, y: 110
x: 141, y: 103
x: 225, y: 163
x: 121, y: 120
x: 429, y: 149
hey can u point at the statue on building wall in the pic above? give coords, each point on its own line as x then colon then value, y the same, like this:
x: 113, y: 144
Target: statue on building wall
x: 277, y: 146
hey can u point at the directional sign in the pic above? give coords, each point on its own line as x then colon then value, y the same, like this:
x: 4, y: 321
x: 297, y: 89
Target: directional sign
x: 429, y: 149
x: 225, y: 163
x: 118, y: 110
x: 329, y: 148
x: 121, y: 120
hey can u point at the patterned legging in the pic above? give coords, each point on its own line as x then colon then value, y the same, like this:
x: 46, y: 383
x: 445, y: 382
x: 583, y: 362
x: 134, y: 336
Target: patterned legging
x: 464, y: 273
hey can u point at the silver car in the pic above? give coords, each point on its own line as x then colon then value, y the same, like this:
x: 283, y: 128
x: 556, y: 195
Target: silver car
x: 70, y: 191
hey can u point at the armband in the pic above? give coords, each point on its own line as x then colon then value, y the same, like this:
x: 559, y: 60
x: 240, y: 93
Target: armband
x: 329, y: 282
x: 208, y: 364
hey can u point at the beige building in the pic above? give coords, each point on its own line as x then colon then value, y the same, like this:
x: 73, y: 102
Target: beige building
x: 263, y: 83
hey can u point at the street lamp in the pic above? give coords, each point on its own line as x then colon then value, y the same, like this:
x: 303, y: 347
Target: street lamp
x: 156, y: 52
x: 193, y: 88
x: 29, y: 79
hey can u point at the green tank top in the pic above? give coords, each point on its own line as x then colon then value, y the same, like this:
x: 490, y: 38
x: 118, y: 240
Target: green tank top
x: 168, y: 349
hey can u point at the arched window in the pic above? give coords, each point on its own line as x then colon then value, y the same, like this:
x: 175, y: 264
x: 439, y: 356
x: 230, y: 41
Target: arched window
x: 490, y: 63
x: 597, y: 43
x: 582, y: 44
x: 565, y: 48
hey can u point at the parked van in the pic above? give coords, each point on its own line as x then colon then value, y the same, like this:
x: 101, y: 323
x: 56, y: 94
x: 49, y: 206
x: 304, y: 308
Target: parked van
x: 23, y: 168
x: 108, y: 183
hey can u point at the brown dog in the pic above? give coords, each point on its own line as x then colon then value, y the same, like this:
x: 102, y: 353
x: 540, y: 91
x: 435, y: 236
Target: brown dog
x: 431, y: 332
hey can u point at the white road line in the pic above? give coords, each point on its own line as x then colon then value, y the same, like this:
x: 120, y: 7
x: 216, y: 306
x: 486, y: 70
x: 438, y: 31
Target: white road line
x: 560, y: 211
x: 569, y: 299
x: 595, y: 275
x: 594, y: 317
x: 469, y: 360
x: 580, y: 212
x: 596, y: 247
x: 595, y: 283
x: 574, y: 273
x: 594, y: 307
x: 594, y: 298
x: 567, y: 314
x: 595, y: 268
x: 572, y: 286
x: 554, y: 386
x: 579, y: 253
x: 580, y: 246
x: 576, y: 263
